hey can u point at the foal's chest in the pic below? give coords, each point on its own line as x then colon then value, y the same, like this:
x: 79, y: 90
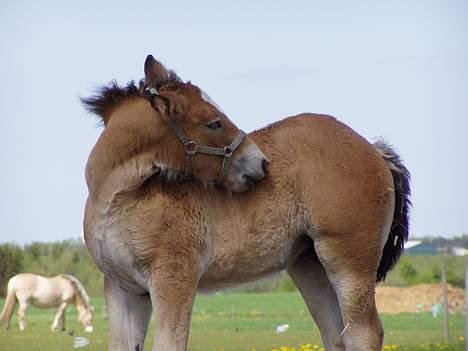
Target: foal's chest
x: 110, y: 245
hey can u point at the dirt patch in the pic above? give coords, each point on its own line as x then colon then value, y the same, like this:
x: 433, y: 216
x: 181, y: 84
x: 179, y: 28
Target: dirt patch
x: 398, y: 300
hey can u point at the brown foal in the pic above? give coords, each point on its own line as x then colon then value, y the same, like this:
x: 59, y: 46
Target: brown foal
x: 164, y: 220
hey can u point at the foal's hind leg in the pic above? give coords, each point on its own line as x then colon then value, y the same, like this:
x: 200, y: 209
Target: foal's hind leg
x: 352, y: 272
x: 129, y: 315
x: 320, y: 298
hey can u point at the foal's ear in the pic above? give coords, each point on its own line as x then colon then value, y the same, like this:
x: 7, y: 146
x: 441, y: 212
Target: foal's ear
x: 155, y: 73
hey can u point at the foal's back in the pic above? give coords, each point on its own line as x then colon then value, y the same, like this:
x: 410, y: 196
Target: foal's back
x: 330, y: 168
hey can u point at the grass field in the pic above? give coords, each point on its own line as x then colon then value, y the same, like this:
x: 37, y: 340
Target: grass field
x: 235, y: 322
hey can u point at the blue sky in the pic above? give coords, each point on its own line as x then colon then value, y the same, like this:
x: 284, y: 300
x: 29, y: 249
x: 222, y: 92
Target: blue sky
x: 393, y: 69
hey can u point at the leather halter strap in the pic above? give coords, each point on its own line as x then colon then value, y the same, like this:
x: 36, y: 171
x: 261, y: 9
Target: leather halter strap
x: 192, y: 148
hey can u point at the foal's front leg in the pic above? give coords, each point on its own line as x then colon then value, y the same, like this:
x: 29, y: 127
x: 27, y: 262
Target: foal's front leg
x: 59, y: 317
x: 173, y: 293
x: 129, y: 315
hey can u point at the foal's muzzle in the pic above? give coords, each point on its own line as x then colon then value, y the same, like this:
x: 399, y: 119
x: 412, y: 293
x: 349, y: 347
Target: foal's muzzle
x: 247, y: 169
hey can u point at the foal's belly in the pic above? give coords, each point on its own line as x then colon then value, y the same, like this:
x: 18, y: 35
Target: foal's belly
x: 246, y: 259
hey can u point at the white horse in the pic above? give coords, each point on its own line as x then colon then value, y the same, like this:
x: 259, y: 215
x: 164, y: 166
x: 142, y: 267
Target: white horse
x: 42, y: 292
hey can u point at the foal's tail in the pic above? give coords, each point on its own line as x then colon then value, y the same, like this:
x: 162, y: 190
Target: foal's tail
x: 400, y: 228
x: 10, y: 304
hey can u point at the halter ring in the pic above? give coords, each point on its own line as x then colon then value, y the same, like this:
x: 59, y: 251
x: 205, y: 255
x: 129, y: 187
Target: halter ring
x: 191, y: 147
x: 227, y: 151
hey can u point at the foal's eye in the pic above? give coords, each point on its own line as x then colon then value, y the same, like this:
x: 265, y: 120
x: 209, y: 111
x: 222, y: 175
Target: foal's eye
x: 215, y: 125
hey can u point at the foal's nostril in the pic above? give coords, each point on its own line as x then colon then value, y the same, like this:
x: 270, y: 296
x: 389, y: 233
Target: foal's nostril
x: 265, y: 165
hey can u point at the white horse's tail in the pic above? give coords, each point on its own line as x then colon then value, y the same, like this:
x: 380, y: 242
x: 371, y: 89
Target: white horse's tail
x: 10, y: 304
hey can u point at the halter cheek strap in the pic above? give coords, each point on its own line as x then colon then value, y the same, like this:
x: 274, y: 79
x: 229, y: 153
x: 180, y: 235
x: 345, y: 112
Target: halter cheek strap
x: 192, y: 148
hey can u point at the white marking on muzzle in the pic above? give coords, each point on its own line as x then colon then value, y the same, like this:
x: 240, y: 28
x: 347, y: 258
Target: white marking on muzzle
x: 89, y: 329
x: 253, y: 159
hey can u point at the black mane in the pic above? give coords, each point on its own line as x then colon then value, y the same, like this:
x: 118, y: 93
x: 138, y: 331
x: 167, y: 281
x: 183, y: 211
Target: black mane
x: 110, y: 96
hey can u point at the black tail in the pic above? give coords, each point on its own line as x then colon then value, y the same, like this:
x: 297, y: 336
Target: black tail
x: 400, y: 226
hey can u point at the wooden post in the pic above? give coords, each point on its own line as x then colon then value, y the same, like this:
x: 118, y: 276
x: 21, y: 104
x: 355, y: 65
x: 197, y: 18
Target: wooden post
x: 444, y: 292
x: 466, y: 303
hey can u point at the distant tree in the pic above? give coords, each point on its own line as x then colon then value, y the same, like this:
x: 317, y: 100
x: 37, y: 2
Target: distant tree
x: 57, y: 250
x: 34, y: 250
x: 76, y: 257
x: 408, y: 272
x: 11, y: 263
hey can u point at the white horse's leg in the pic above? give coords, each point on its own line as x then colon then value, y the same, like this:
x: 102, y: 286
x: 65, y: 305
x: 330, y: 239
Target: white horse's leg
x: 62, y: 320
x: 320, y: 298
x: 23, y: 305
x: 60, y: 317
x: 129, y: 315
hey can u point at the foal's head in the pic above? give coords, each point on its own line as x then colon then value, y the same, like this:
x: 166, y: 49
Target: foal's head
x: 181, y: 127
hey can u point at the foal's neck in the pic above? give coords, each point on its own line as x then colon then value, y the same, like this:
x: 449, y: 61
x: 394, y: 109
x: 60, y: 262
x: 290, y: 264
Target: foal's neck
x: 122, y: 160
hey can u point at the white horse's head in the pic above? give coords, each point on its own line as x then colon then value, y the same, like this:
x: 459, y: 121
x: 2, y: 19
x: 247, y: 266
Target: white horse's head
x: 85, y: 317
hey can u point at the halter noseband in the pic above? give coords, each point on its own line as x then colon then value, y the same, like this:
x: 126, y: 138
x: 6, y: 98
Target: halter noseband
x: 192, y: 148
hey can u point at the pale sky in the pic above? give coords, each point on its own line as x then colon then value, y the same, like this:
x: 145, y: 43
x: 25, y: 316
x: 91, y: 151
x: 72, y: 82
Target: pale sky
x: 397, y: 69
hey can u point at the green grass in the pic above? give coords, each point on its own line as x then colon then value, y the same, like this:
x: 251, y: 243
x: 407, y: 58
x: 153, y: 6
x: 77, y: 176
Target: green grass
x: 232, y: 322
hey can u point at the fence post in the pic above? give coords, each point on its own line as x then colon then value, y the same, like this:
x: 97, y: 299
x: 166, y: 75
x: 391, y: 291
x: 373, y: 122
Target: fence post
x: 466, y: 303
x: 444, y: 293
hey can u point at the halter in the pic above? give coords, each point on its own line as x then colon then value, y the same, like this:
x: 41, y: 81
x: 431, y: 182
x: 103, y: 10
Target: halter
x: 192, y: 148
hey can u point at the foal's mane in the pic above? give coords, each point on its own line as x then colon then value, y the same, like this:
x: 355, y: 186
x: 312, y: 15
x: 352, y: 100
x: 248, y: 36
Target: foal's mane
x: 108, y: 97
x: 79, y: 290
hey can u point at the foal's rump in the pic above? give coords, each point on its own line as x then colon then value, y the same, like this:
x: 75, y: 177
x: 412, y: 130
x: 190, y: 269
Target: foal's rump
x: 354, y: 190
